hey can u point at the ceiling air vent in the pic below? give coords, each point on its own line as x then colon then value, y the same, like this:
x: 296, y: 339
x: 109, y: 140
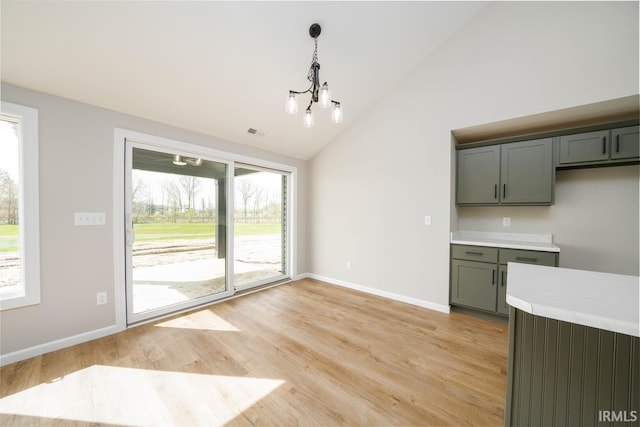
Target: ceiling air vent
x: 255, y: 132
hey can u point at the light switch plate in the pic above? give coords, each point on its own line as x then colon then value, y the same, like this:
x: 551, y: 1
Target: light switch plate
x: 427, y: 220
x: 89, y: 218
x: 506, y: 221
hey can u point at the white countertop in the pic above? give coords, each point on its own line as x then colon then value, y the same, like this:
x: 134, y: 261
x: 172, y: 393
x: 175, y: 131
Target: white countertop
x: 530, y: 242
x: 600, y: 300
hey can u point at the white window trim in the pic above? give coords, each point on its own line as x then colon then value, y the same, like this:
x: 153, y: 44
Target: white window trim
x: 29, y: 207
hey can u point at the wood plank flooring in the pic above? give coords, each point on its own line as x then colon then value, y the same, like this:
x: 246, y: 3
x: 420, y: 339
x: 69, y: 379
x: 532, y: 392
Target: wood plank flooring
x: 304, y: 353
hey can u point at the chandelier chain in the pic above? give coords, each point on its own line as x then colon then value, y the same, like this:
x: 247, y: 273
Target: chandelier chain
x: 314, y: 60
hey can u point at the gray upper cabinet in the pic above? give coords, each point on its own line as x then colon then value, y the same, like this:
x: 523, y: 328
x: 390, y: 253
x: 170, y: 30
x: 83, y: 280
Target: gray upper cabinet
x: 584, y: 147
x: 625, y: 143
x: 478, y: 175
x: 527, y: 172
x: 518, y: 173
x: 600, y: 148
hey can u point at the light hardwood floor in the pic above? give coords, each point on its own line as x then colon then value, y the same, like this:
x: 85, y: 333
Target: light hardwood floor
x: 303, y: 353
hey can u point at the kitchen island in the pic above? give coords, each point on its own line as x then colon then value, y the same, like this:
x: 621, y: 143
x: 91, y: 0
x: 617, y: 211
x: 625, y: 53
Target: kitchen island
x: 574, y: 347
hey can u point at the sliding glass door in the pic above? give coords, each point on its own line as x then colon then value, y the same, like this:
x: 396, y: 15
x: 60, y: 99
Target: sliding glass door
x: 176, y: 232
x: 260, y: 232
x: 181, y: 250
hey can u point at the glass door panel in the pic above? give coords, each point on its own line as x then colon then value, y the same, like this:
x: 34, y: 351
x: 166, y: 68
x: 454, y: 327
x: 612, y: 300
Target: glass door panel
x: 260, y: 226
x: 176, y: 232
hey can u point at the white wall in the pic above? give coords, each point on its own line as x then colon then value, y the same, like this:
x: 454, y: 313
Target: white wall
x: 370, y: 189
x: 76, y: 175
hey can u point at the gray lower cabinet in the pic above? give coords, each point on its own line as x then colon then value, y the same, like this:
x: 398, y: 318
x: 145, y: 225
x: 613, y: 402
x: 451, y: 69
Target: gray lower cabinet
x: 503, y: 307
x: 479, y: 275
x: 474, y: 284
x: 517, y: 173
x: 600, y: 148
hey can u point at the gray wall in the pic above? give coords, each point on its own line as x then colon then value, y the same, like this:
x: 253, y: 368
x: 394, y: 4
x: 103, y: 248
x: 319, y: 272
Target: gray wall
x: 594, y: 220
x: 372, y: 186
x: 76, y: 175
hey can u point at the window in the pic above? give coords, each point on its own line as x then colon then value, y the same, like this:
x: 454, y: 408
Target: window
x: 19, y: 230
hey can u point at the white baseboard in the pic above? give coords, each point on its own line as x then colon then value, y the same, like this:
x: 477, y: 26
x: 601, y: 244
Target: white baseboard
x: 397, y: 297
x: 27, y: 353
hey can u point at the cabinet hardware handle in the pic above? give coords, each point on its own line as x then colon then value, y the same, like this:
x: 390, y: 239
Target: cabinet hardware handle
x: 604, y: 145
x: 493, y: 277
x: 523, y: 258
x: 473, y: 253
x: 504, y: 190
x: 617, y: 143
x: 502, y: 284
x: 495, y: 191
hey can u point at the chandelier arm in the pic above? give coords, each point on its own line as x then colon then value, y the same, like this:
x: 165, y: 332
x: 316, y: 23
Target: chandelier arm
x: 306, y: 91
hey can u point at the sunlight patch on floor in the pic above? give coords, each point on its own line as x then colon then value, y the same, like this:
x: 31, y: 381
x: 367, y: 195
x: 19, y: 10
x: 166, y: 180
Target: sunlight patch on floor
x: 203, y: 319
x: 125, y: 396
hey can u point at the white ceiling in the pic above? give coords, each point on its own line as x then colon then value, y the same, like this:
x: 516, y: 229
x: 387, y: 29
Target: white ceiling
x: 222, y: 67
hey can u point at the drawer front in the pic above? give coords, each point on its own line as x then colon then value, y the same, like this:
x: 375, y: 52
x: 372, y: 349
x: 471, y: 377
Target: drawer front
x: 474, y: 253
x: 528, y: 257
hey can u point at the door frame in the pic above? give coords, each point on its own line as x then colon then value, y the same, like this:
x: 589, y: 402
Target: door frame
x: 121, y: 136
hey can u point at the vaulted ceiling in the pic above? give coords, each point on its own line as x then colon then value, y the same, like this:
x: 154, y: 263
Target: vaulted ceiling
x: 221, y: 68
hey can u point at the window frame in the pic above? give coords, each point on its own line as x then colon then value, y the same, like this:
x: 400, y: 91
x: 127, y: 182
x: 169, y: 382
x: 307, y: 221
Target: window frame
x: 29, y: 231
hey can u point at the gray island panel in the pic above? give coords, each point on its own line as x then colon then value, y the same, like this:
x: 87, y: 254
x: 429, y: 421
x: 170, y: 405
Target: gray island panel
x: 574, y: 349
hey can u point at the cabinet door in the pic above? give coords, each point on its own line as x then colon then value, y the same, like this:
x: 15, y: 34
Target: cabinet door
x: 474, y: 284
x: 503, y: 307
x: 478, y: 175
x: 625, y: 143
x: 584, y: 147
x: 527, y: 172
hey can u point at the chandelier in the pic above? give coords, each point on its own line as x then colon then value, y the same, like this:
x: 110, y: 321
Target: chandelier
x: 319, y: 94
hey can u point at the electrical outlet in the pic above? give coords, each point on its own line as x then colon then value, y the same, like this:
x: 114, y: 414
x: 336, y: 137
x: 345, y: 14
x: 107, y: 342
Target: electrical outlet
x: 348, y: 265
x: 427, y: 220
x: 506, y: 221
x: 101, y: 298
